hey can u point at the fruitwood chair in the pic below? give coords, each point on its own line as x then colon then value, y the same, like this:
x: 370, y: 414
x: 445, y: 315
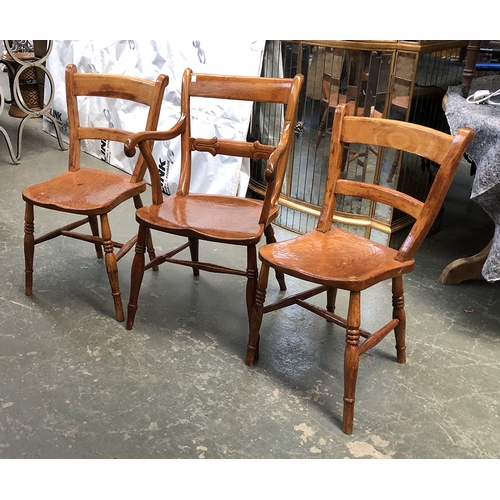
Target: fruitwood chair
x: 335, y: 259
x: 94, y: 192
x: 217, y: 218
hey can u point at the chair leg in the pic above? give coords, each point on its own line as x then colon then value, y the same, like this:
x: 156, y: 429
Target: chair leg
x: 364, y: 164
x: 270, y: 238
x: 151, y: 249
x: 351, y: 360
x: 94, y: 227
x: 252, y: 275
x: 394, y: 166
x: 322, y: 127
x: 331, y: 299
x: 194, y: 249
x: 149, y: 240
x: 399, y: 313
x: 29, y: 247
x: 255, y: 316
x: 137, y: 274
x: 111, y: 267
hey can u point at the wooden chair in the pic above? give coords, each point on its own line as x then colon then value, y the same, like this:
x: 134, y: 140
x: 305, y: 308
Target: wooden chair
x: 368, y: 110
x: 94, y: 192
x: 335, y: 259
x: 361, y: 88
x: 331, y: 98
x: 216, y: 218
x: 400, y: 103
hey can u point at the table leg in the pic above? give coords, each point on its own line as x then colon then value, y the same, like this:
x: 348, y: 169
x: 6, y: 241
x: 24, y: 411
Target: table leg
x: 467, y: 268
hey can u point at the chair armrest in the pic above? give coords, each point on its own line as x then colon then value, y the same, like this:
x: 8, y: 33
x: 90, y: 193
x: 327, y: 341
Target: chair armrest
x: 280, y: 150
x: 159, y: 135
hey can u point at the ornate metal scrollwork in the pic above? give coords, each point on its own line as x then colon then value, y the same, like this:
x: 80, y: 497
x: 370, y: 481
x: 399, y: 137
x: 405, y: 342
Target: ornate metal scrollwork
x: 17, y: 66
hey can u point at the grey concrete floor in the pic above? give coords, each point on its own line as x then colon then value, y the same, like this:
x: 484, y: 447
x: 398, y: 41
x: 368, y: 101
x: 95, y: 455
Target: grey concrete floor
x: 75, y: 384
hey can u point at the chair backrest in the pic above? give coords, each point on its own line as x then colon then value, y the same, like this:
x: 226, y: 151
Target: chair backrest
x: 141, y: 91
x: 442, y: 149
x: 284, y: 91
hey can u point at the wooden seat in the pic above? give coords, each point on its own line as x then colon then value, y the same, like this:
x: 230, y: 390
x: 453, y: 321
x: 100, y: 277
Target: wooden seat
x: 88, y: 191
x: 334, y: 258
x: 218, y: 218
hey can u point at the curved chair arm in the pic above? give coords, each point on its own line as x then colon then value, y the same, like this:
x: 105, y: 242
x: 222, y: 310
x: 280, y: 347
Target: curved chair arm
x: 160, y: 135
x: 277, y: 154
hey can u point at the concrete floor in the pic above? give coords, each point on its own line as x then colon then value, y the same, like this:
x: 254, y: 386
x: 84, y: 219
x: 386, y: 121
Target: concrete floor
x: 75, y: 384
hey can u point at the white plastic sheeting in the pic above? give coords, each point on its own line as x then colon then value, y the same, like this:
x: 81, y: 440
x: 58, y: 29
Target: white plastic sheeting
x: 147, y: 59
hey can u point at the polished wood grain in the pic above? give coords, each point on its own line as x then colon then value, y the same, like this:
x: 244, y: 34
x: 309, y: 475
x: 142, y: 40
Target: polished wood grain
x: 334, y: 258
x: 224, y: 219
x: 90, y: 192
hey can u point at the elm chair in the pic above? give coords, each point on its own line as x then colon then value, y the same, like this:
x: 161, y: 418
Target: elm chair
x: 223, y: 219
x: 92, y: 192
x: 334, y: 258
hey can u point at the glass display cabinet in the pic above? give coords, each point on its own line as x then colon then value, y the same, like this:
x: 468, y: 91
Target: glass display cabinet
x: 397, y: 79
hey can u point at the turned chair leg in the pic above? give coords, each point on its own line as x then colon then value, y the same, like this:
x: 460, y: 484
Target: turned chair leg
x: 151, y: 249
x: 271, y: 238
x: 29, y: 247
x: 111, y: 267
x: 394, y: 166
x: 399, y: 313
x: 137, y: 274
x: 351, y: 360
x: 149, y: 241
x: 255, y: 317
x: 252, y: 275
x: 322, y: 127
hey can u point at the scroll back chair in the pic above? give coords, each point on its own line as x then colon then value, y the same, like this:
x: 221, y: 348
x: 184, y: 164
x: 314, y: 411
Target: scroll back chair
x: 224, y: 219
x: 94, y: 192
x: 335, y: 259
